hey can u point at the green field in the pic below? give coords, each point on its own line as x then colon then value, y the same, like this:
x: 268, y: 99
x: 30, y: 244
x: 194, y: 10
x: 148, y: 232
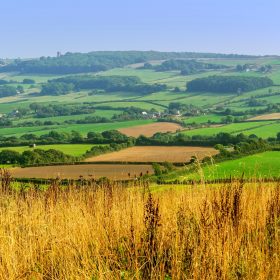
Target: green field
x: 263, y: 129
x: 76, y: 150
x: 203, y: 119
x: 263, y: 165
x: 81, y: 128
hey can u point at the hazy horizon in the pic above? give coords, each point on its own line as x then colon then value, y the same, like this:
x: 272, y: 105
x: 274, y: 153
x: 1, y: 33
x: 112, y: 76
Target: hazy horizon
x: 33, y: 29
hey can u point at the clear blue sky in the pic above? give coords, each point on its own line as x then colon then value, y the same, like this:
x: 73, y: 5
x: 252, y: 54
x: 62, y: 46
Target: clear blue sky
x: 32, y: 28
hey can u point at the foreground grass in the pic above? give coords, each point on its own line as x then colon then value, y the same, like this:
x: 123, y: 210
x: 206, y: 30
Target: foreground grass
x: 110, y: 231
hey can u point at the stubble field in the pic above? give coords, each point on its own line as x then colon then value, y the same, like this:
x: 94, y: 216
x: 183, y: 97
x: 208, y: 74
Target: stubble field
x: 155, y: 154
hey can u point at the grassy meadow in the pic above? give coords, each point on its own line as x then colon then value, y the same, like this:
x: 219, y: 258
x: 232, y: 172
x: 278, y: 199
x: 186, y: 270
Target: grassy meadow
x: 81, y: 128
x: 257, y: 166
x: 263, y: 129
x: 75, y: 150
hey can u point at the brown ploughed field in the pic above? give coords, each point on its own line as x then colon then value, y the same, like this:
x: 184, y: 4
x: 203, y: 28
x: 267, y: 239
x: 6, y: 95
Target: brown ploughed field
x: 155, y: 154
x: 267, y: 117
x: 150, y: 129
x: 111, y: 171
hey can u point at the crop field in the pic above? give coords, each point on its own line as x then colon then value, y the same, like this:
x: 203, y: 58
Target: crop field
x: 155, y: 154
x: 86, y: 171
x: 150, y: 129
x: 273, y: 116
x: 69, y: 149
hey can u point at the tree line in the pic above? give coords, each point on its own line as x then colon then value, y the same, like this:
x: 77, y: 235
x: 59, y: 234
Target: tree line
x: 187, y: 67
x: 74, y: 63
x: 33, y: 157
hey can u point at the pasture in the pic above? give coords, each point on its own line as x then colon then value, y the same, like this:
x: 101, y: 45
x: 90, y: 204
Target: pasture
x: 75, y: 150
x: 262, y: 165
x: 263, y: 129
x: 155, y: 154
x: 81, y: 128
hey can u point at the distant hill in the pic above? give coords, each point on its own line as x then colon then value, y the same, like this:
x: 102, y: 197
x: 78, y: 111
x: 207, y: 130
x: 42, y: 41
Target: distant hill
x: 72, y: 63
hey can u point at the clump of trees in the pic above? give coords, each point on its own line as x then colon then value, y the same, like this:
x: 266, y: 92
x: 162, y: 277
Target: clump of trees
x: 28, y: 81
x: 106, y: 83
x: 187, y: 67
x: 57, y: 88
x: 6, y: 90
x: 228, y: 84
x: 52, y: 110
x: 32, y: 157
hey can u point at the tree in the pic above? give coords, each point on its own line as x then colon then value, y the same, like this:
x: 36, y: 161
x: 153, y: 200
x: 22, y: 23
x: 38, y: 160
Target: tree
x: 28, y: 81
x: 20, y: 89
x: 9, y: 156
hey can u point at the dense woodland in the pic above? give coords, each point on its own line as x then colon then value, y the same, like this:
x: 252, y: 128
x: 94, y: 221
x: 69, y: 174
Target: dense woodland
x: 72, y: 63
x: 228, y: 84
x: 187, y: 67
x: 106, y: 83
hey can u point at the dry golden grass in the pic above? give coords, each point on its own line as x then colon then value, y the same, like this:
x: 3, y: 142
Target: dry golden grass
x: 117, y: 232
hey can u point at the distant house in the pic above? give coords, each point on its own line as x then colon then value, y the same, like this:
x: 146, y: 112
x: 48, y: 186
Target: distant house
x: 144, y: 113
x: 32, y: 146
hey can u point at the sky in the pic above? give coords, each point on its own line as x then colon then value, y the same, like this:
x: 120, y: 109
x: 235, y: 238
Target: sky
x: 34, y: 28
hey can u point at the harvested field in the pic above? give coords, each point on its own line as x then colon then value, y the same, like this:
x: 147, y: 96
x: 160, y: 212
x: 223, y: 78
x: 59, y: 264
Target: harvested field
x: 150, y: 129
x: 155, y: 154
x: 267, y: 117
x: 111, y: 171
